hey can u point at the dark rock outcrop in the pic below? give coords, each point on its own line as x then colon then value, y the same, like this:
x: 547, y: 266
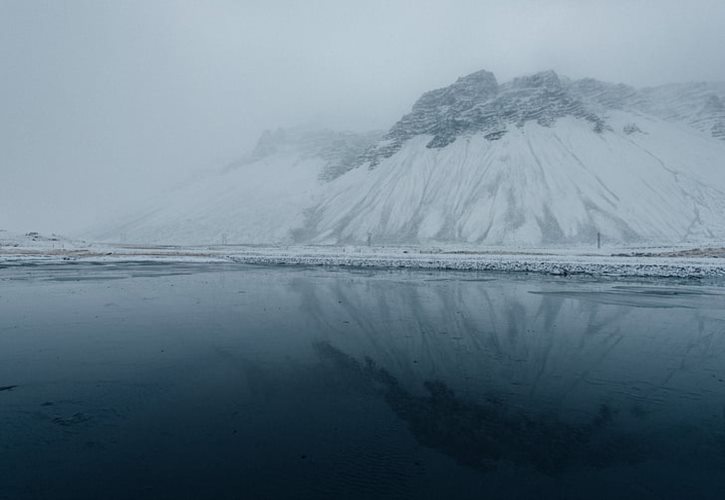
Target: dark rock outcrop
x: 478, y: 104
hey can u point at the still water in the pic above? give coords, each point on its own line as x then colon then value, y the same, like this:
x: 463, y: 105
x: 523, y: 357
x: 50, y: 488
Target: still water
x: 162, y: 381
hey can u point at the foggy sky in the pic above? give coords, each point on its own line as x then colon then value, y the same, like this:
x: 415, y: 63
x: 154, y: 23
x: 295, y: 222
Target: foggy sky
x: 104, y: 103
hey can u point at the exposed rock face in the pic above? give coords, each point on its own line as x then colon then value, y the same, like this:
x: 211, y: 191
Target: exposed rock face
x: 712, y: 117
x: 542, y: 97
x: 603, y: 95
x: 446, y: 112
x: 478, y: 104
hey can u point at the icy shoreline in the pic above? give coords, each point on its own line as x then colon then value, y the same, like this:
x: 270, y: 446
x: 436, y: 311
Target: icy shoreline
x: 550, y: 264
x: 652, y: 262
x: 542, y: 264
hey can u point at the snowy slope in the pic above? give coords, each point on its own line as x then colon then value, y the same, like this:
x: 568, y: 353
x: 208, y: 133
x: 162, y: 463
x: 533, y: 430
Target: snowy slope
x: 559, y: 184
x: 260, y: 199
x: 538, y: 160
x: 233, y: 206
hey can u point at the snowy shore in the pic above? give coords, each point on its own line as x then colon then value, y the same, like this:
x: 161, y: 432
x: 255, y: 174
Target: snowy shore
x: 563, y: 265
x: 650, y: 263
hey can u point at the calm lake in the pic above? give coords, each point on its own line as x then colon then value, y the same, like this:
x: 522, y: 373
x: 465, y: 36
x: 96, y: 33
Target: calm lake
x: 141, y: 380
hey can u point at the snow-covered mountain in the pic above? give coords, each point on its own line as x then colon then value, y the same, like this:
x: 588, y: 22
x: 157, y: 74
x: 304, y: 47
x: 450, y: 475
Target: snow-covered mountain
x: 537, y: 160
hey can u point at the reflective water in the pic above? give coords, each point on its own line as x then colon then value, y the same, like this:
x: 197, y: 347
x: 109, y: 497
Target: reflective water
x: 209, y: 381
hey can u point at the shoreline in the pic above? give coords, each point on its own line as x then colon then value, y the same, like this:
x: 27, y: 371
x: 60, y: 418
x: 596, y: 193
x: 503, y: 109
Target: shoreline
x: 666, y: 265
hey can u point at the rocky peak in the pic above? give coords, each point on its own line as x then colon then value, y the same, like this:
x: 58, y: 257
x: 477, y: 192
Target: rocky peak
x: 472, y: 89
x: 545, y: 79
x: 603, y: 94
x: 713, y: 104
x: 476, y: 103
x: 436, y: 109
x: 712, y: 116
x: 464, y: 93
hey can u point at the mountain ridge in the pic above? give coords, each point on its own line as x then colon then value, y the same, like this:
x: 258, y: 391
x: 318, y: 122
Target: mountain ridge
x: 540, y: 159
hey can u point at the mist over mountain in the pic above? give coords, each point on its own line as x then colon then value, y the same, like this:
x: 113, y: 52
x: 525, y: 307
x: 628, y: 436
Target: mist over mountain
x: 537, y: 160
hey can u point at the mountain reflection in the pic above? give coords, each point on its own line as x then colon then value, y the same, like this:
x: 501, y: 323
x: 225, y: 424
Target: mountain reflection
x: 561, y: 347
x: 481, y: 435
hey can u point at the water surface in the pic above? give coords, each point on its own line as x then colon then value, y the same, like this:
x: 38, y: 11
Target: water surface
x: 144, y: 380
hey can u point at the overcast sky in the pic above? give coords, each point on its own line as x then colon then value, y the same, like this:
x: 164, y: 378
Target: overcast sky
x: 104, y: 103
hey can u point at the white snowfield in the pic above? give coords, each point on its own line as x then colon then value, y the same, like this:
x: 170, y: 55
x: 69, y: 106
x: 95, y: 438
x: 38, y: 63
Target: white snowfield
x: 537, y: 185
x: 652, y: 263
x: 578, y: 159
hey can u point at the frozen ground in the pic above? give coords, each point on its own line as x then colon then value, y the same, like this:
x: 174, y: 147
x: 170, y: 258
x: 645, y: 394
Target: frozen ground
x: 682, y: 262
